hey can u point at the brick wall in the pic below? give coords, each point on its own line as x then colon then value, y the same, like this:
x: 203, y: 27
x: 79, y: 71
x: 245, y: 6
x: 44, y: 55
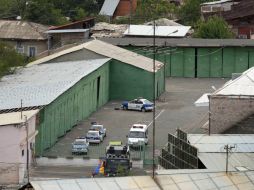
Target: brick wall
x: 227, y: 111
x: 123, y: 8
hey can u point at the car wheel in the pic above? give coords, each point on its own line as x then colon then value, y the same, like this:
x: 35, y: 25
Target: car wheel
x: 143, y: 109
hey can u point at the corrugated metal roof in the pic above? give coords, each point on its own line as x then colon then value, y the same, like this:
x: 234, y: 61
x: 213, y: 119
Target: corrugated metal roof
x: 109, y: 7
x: 179, y: 42
x: 66, y: 31
x: 217, y: 161
x: 116, y: 183
x: 162, y: 31
x: 206, y: 181
x: 212, y: 153
x: 110, y: 51
x: 41, y: 84
x: 243, y: 85
x: 15, y: 117
x: 217, y: 2
x: 216, y: 142
x: 22, y: 30
x: 122, y: 55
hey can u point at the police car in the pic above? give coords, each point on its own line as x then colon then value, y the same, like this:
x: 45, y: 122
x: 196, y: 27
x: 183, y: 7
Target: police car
x: 140, y: 104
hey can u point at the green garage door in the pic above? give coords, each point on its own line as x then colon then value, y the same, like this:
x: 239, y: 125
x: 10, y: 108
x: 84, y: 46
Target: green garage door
x: 177, y: 58
x: 183, y: 62
x: 209, y: 62
x: 189, y: 62
x: 251, y: 58
x: 215, y: 62
x: 241, y: 60
x: 203, y: 62
x: 167, y: 64
x: 228, y: 62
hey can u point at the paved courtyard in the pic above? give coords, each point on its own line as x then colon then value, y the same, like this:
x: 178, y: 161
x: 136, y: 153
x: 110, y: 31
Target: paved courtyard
x: 174, y: 109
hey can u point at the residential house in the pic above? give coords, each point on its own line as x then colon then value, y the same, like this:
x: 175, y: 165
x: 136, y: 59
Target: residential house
x: 239, y: 14
x: 27, y: 37
x: 217, y: 6
x: 16, y: 129
x: 115, y: 8
x: 74, y: 32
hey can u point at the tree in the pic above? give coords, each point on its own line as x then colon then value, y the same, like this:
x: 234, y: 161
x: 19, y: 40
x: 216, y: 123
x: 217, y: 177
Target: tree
x: 189, y: 13
x: 44, y: 13
x: 214, y: 28
x: 79, y: 14
x: 9, y: 59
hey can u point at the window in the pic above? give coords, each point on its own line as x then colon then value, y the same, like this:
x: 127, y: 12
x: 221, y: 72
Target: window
x: 31, y: 51
x: 20, y: 47
x: 23, y: 152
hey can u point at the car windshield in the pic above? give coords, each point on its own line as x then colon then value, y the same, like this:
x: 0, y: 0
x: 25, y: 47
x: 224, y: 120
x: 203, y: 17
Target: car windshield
x: 96, y: 127
x: 92, y: 134
x: 79, y: 143
x: 147, y: 102
x: 136, y: 134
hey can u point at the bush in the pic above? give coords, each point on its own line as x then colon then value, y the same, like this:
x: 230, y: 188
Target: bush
x: 214, y: 28
x: 9, y: 59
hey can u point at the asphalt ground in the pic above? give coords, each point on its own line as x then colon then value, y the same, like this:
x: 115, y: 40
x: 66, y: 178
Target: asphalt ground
x: 174, y: 109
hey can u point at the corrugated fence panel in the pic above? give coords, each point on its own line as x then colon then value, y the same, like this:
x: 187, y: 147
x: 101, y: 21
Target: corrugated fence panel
x: 241, y: 60
x: 251, y: 58
x: 203, y: 62
x: 228, y: 61
x: 189, y: 62
x: 168, y: 64
x: 177, y: 63
x: 215, y: 62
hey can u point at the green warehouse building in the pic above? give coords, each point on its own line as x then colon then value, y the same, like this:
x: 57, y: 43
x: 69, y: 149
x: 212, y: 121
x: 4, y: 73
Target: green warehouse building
x: 195, y: 58
x: 70, y: 85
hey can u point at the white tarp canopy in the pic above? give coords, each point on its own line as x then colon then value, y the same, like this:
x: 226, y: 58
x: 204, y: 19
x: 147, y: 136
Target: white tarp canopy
x: 203, y: 100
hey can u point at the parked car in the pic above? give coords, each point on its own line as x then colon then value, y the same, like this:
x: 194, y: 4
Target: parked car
x: 94, y: 136
x: 80, y: 146
x: 140, y: 104
x: 99, y: 127
x: 138, y: 135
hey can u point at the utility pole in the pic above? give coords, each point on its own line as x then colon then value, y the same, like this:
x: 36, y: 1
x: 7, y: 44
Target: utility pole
x: 21, y: 105
x: 228, y: 149
x: 27, y: 150
x: 154, y: 95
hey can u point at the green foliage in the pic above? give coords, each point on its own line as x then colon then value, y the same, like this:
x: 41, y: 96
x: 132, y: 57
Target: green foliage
x: 154, y: 9
x: 44, y: 13
x: 9, y: 59
x: 214, y: 28
x: 189, y: 13
x: 79, y: 14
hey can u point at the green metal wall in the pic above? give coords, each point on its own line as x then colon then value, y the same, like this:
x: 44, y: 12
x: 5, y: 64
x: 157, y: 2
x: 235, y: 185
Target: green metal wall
x: 182, y: 63
x: 73, y: 106
x: 128, y: 82
x: 202, y: 61
x: 209, y: 62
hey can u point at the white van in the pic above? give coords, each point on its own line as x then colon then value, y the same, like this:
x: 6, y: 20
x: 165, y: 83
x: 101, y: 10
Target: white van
x: 138, y: 135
